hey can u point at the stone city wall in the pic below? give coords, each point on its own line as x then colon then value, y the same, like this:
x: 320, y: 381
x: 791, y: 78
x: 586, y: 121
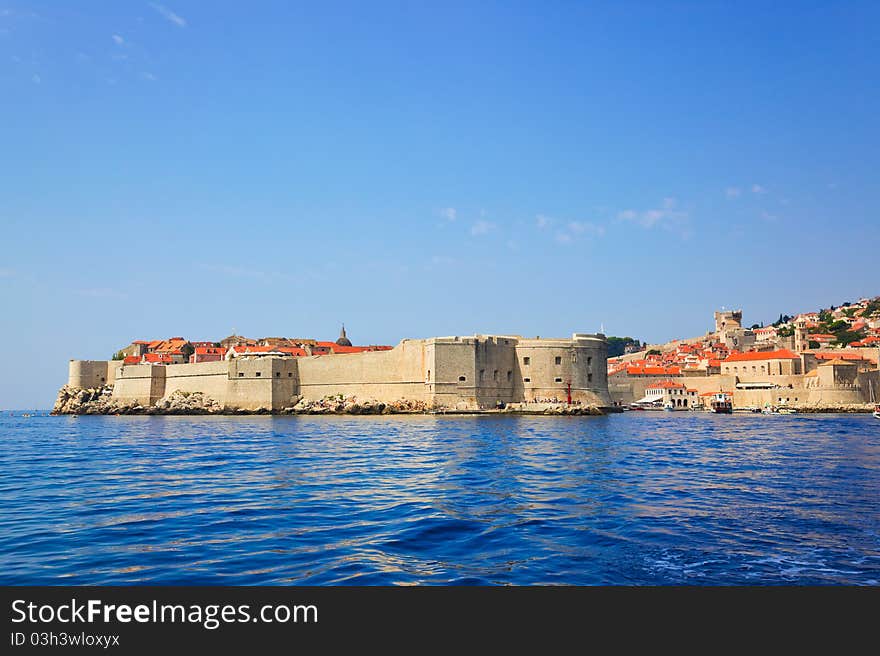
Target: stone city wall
x: 451, y: 372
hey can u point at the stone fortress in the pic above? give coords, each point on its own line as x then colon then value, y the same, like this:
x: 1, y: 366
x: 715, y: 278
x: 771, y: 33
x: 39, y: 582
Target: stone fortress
x: 479, y: 372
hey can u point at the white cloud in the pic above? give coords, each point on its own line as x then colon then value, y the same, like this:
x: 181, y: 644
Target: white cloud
x: 441, y: 261
x: 449, y: 213
x: 118, y: 40
x: 758, y: 189
x: 481, y: 228
x: 169, y: 15
x: 667, y: 215
x: 102, y: 292
x: 733, y: 192
x: 770, y: 218
x: 148, y: 76
x: 563, y: 238
x: 6, y: 273
x: 543, y: 221
x: 581, y: 227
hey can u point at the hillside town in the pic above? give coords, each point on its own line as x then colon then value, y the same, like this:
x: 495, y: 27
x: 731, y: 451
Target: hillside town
x: 177, y: 350
x: 827, y: 359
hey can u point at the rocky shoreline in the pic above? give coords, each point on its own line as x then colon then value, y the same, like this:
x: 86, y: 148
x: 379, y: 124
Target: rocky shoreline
x: 99, y: 401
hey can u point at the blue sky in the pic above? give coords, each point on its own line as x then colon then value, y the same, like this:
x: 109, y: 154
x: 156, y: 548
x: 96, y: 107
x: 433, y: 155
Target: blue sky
x: 419, y: 169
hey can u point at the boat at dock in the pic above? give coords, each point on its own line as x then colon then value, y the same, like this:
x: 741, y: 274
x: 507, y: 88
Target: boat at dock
x: 722, y: 403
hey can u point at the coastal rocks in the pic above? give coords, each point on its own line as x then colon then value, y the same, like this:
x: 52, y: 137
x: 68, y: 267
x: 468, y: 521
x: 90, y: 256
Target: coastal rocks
x: 557, y: 409
x: 187, y: 403
x: 78, y: 400
x: 99, y: 401
x: 350, y: 405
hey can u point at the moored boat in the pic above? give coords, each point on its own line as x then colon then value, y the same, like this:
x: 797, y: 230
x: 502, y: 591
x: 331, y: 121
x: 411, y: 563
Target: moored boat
x: 722, y: 403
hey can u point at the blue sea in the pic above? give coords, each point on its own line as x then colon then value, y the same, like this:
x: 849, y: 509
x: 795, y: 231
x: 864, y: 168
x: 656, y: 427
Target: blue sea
x: 636, y: 498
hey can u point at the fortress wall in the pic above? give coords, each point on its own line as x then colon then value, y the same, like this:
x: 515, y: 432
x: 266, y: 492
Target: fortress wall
x: 453, y: 359
x: 144, y: 383
x: 582, y: 362
x: 382, y: 375
x: 209, y: 378
x: 92, y: 373
x: 252, y: 382
x: 496, y: 371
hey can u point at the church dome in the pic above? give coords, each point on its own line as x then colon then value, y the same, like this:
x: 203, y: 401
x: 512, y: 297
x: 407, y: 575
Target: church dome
x: 343, y: 339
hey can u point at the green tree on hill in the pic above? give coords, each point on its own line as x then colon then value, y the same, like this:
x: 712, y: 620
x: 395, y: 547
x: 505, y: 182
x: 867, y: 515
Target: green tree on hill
x: 187, y: 350
x: 617, y: 345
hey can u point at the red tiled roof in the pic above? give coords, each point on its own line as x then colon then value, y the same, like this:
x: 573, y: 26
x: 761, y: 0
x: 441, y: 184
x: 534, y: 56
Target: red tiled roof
x: 210, y: 350
x: 752, y: 356
x: 666, y: 384
x: 158, y: 358
x: 131, y: 359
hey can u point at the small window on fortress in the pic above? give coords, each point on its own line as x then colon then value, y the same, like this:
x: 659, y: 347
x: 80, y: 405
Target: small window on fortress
x: 558, y: 380
x: 527, y: 361
x: 240, y: 375
x: 257, y: 374
x: 495, y: 375
x: 509, y: 376
x: 589, y: 360
x: 461, y: 379
x: 558, y: 359
x: 290, y: 374
x: 277, y: 374
x: 589, y: 378
x: 527, y: 380
x: 482, y: 371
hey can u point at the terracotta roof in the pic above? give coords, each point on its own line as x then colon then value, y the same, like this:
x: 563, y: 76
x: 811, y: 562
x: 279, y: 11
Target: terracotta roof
x: 752, y: 356
x: 665, y: 384
x: 131, y: 359
x: 838, y: 361
x: 210, y: 350
x: 842, y: 356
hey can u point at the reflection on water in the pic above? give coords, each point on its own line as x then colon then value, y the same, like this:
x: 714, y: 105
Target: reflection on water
x: 645, y: 498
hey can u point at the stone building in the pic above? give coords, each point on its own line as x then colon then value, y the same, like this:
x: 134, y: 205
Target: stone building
x: 476, y: 372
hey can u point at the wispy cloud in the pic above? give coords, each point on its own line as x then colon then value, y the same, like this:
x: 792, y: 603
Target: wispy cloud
x: 102, y: 292
x: 563, y: 237
x: 481, y: 228
x: 733, y: 192
x: 440, y: 262
x: 149, y: 77
x: 758, y: 189
x: 169, y: 15
x: 118, y: 40
x: 770, y: 218
x: 543, y: 221
x: 448, y: 213
x: 667, y: 215
x: 36, y: 79
x: 242, y: 272
x: 7, y: 273
x: 582, y: 227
